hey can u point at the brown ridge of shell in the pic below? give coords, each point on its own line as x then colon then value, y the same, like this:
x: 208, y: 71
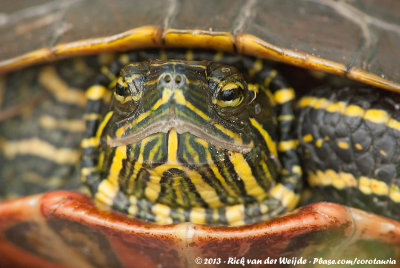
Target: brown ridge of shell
x: 68, y: 222
x: 146, y: 36
x: 153, y: 36
x: 199, y: 39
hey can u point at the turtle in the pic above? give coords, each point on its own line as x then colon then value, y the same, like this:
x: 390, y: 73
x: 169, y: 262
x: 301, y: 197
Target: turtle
x: 142, y: 76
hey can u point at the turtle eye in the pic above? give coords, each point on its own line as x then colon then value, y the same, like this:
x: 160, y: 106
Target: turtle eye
x: 230, y: 94
x: 126, y: 96
x: 121, y: 90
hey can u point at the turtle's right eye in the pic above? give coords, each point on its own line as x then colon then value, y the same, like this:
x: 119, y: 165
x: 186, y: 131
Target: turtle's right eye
x: 121, y: 89
x: 126, y: 96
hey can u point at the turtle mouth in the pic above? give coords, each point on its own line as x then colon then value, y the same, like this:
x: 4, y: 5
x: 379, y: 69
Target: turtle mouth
x: 182, y: 127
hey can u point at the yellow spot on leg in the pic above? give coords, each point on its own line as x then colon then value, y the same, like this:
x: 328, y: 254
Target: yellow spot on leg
x: 308, y: 138
x: 354, y: 110
x: 319, y: 143
x: 96, y: 92
x: 379, y: 187
x: 336, y: 107
x: 376, y: 116
x: 364, y: 184
x: 288, y: 145
x: 343, y: 145
x: 284, y: 95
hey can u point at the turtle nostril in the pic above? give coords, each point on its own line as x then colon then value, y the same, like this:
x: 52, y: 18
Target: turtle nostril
x: 178, y: 79
x: 167, y: 78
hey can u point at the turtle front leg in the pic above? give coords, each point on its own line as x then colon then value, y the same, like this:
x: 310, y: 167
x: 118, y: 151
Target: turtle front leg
x: 350, y: 144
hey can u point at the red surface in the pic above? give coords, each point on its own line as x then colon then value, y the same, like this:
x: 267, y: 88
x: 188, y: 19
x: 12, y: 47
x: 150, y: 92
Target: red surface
x: 72, y: 232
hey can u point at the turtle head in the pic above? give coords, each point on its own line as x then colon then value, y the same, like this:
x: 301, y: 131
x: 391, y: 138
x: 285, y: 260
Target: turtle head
x: 208, y: 101
x: 184, y: 135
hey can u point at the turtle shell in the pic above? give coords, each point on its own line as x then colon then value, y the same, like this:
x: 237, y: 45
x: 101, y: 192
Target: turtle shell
x: 356, y: 39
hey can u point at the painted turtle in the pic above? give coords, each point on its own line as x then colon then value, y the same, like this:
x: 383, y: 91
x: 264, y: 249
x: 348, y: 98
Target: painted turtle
x: 65, y: 229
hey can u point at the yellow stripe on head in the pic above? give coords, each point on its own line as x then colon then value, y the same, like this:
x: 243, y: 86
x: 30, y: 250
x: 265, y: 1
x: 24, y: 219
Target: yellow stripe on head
x: 106, y: 192
x: 243, y: 170
x: 172, y: 146
x: 268, y: 140
x: 102, y: 125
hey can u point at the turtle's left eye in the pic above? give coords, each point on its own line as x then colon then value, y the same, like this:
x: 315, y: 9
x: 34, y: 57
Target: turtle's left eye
x: 121, y: 90
x: 228, y: 89
x: 230, y: 94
